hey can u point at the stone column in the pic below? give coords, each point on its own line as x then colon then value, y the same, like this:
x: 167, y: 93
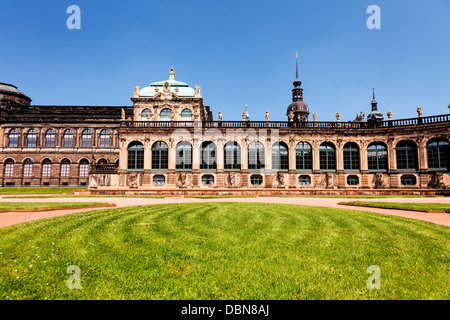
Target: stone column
x: 340, y: 163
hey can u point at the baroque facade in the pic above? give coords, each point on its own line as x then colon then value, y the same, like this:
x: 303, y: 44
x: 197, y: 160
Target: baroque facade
x: 168, y: 142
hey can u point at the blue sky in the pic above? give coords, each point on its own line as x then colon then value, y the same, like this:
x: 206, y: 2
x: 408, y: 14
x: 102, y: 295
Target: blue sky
x: 239, y: 52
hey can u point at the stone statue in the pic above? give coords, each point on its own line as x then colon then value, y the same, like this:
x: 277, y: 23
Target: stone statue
x: 220, y: 116
x: 328, y: 180
x: 267, y: 115
x: 314, y: 116
x: 280, y: 179
x: 166, y: 91
x: 123, y: 114
x: 198, y: 91
x: 136, y: 91
x: 378, y: 181
x: 291, y: 116
x: 244, y: 116
x: 361, y: 116
x: 437, y: 181
x: 389, y: 114
x: 92, y: 183
x: 182, y: 180
x: 419, y: 112
x: 133, y: 180
x: 231, y: 179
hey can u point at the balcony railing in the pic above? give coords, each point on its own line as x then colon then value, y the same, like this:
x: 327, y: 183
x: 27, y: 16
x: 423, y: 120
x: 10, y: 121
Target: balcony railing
x: 287, y: 124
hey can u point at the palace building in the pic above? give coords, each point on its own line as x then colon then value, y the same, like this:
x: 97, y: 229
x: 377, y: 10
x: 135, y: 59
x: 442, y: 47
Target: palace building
x: 168, y: 142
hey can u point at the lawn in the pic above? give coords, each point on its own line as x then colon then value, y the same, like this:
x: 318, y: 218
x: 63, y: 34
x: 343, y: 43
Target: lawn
x: 225, y: 251
x: 38, y: 190
x: 31, y: 206
x: 424, y: 207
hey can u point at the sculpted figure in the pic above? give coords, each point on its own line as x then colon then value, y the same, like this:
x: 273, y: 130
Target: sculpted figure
x: 136, y: 91
x: 133, y: 180
x: 378, y: 180
x: 419, y: 112
x: 267, y: 115
x: 231, y: 179
x: 182, y: 179
x: 328, y: 180
x: 280, y: 179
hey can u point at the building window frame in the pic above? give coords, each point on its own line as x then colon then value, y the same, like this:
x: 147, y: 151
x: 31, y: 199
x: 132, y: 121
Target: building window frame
x: 50, y: 138
x: 256, y: 179
x: 183, y: 159
x: 46, y: 168
x: 256, y: 156
x: 32, y: 138
x: 208, y: 156
x: 407, y: 156
x: 232, y: 156
x: 160, y: 156
x: 135, y: 156
x: 303, y: 156
x: 438, y: 154
x: 327, y: 157
x: 377, y: 157
x: 65, y: 168
x: 207, y: 179
x: 159, y: 180
x: 13, y: 138
x: 351, y: 157
x: 86, y: 138
x: 28, y: 168
x: 280, y: 156
x: 68, y: 137
x: 9, y: 167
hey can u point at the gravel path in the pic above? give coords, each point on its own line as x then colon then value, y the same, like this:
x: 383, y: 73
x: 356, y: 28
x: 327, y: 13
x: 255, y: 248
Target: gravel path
x: 11, y: 218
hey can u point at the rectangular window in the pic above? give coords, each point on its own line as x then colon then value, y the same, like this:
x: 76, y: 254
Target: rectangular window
x: 65, y: 170
x: 27, y: 170
x: 47, y: 170
x: 84, y: 170
x: 9, y: 170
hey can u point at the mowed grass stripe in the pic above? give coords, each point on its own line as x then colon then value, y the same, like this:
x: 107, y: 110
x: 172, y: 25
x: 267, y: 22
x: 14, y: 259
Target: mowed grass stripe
x: 225, y: 251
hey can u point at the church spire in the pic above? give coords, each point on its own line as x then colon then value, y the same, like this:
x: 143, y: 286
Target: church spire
x: 296, y: 65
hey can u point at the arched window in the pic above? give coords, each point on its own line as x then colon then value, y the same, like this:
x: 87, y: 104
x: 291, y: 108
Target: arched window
x: 28, y: 168
x: 105, y: 139
x: 183, y: 156
x: 377, y: 156
x: 50, y: 138
x: 232, y: 156
x: 280, y: 156
x: 68, y: 138
x: 65, y: 168
x: 165, y: 115
x: 135, y: 156
x: 438, y: 152
x: 9, y: 168
x: 351, y: 156
x: 86, y: 139
x: 256, y: 158
x: 160, y: 156
x: 406, y: 155
x: 13, y: 138
x: 84, y: 168
x: 146, y: 115
x: 186, y: 115
x: 303, y: 156
x: 102, y: 161
x: 208, y: 156
x: 31, y: 139
x: 46, y: 168
x: 327, y: 155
